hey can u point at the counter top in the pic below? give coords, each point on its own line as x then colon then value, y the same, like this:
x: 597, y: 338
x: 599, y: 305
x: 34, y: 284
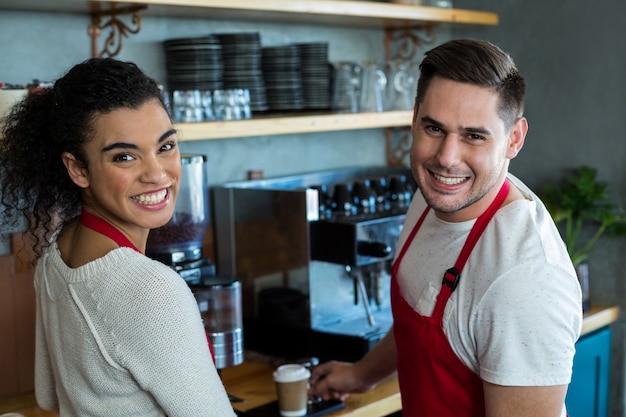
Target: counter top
x: 252, y: 382
x: 598, y: 317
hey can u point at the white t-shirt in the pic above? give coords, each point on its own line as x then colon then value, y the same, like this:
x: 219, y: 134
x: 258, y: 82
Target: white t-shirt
x: 516, y: 314
x: 121, y: 336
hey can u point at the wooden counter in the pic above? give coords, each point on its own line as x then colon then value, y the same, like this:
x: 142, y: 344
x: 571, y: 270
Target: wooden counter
x: 252, y: 381
x: 598, y: 317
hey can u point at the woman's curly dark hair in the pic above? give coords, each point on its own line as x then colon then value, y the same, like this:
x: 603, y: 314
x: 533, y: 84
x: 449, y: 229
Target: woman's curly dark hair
x: 47, y: 123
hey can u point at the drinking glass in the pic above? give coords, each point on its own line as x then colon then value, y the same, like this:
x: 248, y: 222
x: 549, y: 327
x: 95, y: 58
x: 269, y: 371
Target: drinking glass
x: 374, y: 87
x: 187, y: 106
x: 347, y: 87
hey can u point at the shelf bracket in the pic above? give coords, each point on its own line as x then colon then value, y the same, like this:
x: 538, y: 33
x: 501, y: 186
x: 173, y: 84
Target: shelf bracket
x: 398, y: 146
x: 118, y: 29
x: 404, y: 44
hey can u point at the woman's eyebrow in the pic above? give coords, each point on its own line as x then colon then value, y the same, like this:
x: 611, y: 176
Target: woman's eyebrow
x: 124, y: 145
x: 167, y: 134
x: 119, y: 145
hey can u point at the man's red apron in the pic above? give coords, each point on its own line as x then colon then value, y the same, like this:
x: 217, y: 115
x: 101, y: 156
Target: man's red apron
x: 433, y: 380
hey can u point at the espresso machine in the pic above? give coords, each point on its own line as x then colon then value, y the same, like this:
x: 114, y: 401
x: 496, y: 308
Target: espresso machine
x: 178, y: 244
x: 313, y: 252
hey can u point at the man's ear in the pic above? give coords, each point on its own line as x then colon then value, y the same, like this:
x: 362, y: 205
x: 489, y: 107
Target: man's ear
x: 76, y: 170
x: 516, y: 137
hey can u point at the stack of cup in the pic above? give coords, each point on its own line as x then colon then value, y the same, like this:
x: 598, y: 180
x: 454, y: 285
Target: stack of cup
x: 292, y: 382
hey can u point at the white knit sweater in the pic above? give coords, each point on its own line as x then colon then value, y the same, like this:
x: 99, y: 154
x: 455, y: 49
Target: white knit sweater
x: 121, y: 336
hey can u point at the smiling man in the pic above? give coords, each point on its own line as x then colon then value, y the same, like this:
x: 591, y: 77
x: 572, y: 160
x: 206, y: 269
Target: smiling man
x: 486, y: 303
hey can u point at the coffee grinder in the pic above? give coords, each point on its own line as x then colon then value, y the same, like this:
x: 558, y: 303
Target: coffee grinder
x: 178, y: 244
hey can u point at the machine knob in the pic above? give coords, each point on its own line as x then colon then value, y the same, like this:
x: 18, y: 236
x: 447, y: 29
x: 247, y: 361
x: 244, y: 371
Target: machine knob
x: 381, y: 192
x: 344, y: 199
x: 400, y: 191
x: 373, y: 249
x: 364, y: 196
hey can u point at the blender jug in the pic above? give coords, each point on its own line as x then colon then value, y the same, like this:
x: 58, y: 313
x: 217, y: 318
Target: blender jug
x: 180, y: 239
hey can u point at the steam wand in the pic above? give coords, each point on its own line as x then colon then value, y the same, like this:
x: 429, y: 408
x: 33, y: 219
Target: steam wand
x: 358, y: 278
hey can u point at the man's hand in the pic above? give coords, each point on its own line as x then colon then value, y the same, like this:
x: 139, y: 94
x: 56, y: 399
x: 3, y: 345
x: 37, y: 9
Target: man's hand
x: 336, y: 380
x: 339, y: 379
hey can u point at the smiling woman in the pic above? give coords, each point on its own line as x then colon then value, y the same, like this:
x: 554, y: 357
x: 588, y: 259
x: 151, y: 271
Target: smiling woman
x: 133, y: 170
x: 94, y: 164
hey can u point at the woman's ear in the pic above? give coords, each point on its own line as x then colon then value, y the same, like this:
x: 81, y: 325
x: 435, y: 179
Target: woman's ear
x: 76, y: 170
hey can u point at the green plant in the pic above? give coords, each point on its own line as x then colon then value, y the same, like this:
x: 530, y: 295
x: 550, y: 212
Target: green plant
x: 580, y: 201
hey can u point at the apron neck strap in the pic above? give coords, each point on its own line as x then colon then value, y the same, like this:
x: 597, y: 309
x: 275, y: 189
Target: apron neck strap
x: 105, y: 228
x: 452, y: 275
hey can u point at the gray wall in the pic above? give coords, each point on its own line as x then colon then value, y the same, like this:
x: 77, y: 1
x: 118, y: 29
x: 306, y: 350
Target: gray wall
x: 572, y: 54
x: 44, y: 45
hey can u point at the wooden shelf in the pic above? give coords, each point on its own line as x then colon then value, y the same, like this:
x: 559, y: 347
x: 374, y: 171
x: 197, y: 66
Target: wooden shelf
x: 321, y: 12
x: 348, y: 13
x: 324, y: 12
x: 283, y: 125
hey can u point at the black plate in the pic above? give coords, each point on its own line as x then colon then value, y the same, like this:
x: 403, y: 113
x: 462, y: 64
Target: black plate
x: 271, y: 409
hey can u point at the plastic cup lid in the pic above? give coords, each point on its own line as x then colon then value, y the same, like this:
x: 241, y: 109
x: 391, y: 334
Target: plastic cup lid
x: 291, y: 373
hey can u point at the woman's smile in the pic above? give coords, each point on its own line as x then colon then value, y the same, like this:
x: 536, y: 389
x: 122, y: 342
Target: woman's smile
x: 151, y: 198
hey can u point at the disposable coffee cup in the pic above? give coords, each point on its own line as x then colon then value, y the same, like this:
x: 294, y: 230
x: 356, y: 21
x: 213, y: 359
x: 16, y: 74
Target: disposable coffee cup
x: 292, y: 382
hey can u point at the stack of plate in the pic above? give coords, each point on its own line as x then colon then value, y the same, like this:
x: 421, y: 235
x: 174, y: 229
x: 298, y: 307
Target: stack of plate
x: 242, y: 57
x: 316, y: 75
x: 194, y: 63
x: 283, y: 82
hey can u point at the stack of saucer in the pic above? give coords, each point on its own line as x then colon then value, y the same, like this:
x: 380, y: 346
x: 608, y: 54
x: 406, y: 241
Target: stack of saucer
x: 242, y: 57
x: 194, y: 63
x: 316, y: 75
x: 283, y: 82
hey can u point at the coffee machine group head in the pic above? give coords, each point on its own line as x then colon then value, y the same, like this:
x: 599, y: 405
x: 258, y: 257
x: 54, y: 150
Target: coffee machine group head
x: 178, y: 244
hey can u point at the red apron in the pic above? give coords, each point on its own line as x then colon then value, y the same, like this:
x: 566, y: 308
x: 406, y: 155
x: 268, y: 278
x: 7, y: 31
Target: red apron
x: 103, y: 227
x: 433, y: 380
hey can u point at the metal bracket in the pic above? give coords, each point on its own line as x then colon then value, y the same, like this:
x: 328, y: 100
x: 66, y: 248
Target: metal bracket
x: 117, y: 27
x: 398, y: 146
x: 404, y: 44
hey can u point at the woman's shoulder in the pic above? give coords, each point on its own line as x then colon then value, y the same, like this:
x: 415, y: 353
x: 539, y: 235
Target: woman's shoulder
x: 133, y: 277
x: 122, y: 268
x: 142, y: 270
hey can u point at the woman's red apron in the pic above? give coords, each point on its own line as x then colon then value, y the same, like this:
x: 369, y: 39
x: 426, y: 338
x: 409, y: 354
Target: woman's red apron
x: 103, y: 227
x: 433, y: 380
